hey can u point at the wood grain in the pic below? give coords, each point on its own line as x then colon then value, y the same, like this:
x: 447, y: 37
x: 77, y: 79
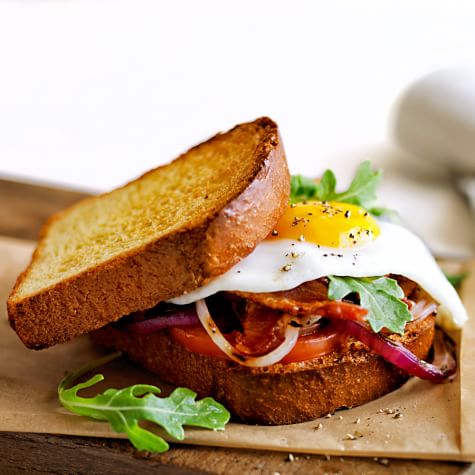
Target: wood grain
x: 39, y: 453
x: 23, y: 208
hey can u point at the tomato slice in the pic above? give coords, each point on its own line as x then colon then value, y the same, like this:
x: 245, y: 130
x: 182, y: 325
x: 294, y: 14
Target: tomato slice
x: 196, y: 340
x: 317, y: 344
x: 320, y: 343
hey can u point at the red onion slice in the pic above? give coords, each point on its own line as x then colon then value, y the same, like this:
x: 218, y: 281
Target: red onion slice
x: 182, y: 316
x: 441, y: 371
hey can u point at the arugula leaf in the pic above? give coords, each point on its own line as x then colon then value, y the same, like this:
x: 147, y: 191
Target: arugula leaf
x: 381, y: 296
x: 361, y: 192
x: 456, y: 279
x: 303, y: 188
x: 125, y: 408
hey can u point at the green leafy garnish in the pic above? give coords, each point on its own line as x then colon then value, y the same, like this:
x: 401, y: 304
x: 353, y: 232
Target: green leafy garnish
x: 125, y: 408
x: 303, y: 188
x: 361, y: 192
x: 381, y: 296
x: 456, y: 279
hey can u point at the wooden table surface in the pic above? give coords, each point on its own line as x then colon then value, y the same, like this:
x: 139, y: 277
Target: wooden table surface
x: 23, y: 208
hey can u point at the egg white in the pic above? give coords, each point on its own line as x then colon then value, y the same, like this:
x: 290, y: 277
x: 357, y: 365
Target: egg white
x: 284, y: 264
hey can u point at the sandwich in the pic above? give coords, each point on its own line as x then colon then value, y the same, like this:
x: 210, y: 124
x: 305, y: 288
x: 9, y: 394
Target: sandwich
x: 278, y: 296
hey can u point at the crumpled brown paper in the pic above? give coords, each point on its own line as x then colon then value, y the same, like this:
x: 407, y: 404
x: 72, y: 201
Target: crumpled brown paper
x: 437, y: 421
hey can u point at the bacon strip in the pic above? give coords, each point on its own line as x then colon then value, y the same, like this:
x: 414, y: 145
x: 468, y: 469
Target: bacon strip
x: 306, y: 298
x: 263, y: 330
x: 309, y: 298
x: 265, y: 316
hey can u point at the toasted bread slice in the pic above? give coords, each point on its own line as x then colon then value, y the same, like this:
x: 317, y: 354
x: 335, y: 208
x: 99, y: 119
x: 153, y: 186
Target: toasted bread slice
x: 157, y: 237
x: 281, y: 393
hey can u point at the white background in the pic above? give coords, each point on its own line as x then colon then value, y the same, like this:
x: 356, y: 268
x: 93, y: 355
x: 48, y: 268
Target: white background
x: 94, y: 93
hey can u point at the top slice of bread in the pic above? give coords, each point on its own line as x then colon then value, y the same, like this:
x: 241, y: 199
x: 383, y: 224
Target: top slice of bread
x: 157, y: 237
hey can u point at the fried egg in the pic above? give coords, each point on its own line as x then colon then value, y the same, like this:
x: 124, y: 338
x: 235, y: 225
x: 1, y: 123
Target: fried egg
x: 317, y: 239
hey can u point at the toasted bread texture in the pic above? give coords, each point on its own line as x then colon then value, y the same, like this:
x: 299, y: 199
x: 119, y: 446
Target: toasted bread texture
x: 157, y: 237
x: 281, y: 393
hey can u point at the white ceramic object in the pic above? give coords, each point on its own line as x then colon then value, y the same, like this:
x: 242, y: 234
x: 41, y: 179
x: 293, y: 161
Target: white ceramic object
x: 435, y: 120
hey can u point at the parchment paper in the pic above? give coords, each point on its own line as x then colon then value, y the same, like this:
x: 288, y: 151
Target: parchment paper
x: 437, y: 421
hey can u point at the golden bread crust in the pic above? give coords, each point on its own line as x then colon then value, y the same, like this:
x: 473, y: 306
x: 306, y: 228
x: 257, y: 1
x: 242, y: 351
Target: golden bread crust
x: 175, y: 263
x: 278, y: 394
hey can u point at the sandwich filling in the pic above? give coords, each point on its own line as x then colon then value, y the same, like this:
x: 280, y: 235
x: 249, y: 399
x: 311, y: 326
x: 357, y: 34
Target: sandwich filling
x: 327, y: 276
x: 262, y: 329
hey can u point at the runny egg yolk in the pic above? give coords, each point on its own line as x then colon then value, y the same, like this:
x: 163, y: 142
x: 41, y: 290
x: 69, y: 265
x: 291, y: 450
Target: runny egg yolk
x: 329, y: 224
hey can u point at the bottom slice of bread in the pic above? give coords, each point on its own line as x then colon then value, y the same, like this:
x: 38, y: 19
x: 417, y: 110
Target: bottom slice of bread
x: 278, y: 394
